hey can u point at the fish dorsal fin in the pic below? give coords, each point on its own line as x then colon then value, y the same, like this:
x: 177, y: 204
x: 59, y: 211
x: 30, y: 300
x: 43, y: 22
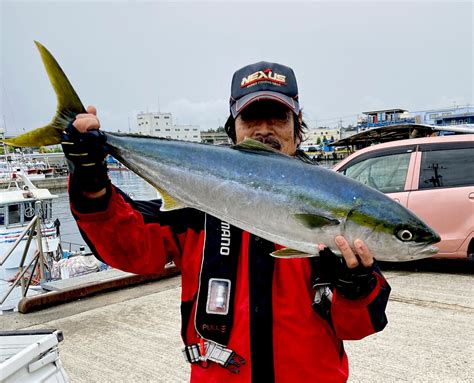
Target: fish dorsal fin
x: 249, y: 144
x: 314, y: 221
x: 291, y: 253
x: 169, y: 203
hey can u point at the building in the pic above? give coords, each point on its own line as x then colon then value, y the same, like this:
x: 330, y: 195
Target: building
x: 384, y: 117
x: 218, y: 137
x: 456, y: 115
x: 396, y: 124
x: 314, y: 137
x: 161, y: 125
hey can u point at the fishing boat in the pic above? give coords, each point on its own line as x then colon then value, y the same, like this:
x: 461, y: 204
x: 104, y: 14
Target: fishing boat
x: 20, y: 202
x: 31, y: 250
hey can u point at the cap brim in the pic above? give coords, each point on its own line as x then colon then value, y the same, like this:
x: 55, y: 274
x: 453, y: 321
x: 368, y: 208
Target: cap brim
x: 245, y: 101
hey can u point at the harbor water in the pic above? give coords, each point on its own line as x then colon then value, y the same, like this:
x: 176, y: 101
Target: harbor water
x: 127, y: 181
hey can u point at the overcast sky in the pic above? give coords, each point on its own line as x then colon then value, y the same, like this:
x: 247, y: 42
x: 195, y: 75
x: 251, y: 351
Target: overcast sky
x: 131, y: 56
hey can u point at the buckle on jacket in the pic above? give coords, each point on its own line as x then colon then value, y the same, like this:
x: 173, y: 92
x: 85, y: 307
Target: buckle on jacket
x: 216, y: 353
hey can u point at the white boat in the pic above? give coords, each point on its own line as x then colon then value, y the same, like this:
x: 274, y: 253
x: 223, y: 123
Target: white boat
x: 19, y: 203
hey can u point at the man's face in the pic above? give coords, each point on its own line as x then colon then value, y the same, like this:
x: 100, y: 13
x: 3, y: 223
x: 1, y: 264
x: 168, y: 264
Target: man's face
x: 269, y: 122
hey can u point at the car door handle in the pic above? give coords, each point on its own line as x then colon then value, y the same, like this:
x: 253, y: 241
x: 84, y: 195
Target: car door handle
x: 397, y: 200
x: 471, y: 196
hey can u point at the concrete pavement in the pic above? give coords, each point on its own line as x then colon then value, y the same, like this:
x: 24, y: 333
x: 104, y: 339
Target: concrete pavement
x: 133, y: 334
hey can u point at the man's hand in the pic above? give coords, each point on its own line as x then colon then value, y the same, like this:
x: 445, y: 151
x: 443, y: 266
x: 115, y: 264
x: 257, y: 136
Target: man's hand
x: 85, y: 149
x: 352, y: 275
x: 85, y: 122
x: 362, y: 256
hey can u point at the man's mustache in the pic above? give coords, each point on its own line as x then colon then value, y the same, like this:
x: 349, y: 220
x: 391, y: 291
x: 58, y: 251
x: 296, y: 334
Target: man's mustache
x: 270, y: 141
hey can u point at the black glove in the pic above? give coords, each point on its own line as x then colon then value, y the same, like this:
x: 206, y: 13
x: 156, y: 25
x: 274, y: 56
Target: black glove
x: 85, y: 154
x: 331, y: 269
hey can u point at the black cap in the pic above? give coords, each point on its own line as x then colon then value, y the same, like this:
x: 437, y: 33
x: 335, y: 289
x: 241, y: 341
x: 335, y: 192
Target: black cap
x: 263, y: 80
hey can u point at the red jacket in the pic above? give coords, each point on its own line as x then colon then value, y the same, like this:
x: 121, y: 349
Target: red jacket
x: 275, y: 328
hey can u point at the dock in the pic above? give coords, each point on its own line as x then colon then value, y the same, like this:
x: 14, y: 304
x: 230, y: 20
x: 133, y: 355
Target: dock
x: 52, y: 183
x: 133, y: 334
x: 80, y: 287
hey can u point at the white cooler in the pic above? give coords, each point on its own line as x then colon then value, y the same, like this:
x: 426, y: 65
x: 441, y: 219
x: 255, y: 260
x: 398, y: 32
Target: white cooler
x: 28, y: 356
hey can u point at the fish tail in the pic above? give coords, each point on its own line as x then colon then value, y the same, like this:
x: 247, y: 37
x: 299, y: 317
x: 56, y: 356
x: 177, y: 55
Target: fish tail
x: 68, y: 106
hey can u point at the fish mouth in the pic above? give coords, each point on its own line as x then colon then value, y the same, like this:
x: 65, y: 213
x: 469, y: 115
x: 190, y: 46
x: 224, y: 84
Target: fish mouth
x: 427, y: 251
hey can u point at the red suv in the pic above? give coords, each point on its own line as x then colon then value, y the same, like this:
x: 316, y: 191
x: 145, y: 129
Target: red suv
x: 432, y: 176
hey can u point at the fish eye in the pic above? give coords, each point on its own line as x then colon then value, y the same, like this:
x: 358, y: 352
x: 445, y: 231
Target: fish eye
x: 405, y: 235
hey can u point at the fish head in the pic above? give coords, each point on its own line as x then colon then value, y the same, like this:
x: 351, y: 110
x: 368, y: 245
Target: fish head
x: 391, y: 232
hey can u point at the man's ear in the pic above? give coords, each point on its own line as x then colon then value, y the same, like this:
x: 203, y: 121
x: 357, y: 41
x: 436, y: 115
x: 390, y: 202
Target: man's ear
x: 300, y: 121
x: 297, y: 141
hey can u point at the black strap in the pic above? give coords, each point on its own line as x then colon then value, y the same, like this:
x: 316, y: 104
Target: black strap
x: 261, y: 269
x: 220, y: 261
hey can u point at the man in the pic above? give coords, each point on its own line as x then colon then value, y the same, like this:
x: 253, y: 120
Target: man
x: 246, y: 316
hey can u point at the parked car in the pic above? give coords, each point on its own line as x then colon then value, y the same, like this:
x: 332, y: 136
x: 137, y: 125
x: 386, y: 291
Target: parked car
x: 432, y: 176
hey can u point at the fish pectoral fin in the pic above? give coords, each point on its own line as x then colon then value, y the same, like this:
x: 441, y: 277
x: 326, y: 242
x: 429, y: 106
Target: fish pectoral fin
x: 291, y: 253
x: 249, y: 144
x: 169, y: 203
x: 314, y: 221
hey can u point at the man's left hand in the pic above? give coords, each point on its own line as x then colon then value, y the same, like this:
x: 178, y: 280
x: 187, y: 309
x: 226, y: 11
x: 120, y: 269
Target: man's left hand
x: 352, y: 275
x: 362, y: 256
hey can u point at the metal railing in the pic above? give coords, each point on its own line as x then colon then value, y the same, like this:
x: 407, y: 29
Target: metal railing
x: 33, y: 228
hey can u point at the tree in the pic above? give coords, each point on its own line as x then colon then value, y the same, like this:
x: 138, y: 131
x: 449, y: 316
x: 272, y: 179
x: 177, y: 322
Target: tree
x: 318, y: 141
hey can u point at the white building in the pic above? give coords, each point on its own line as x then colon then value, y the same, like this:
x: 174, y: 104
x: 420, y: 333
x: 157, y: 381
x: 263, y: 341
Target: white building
x: 312, y: 135
x: 161, y: 125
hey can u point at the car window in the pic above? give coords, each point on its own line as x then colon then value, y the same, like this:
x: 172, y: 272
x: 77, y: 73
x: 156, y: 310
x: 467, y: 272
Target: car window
x: 385, y: 173
x: 447, y: 168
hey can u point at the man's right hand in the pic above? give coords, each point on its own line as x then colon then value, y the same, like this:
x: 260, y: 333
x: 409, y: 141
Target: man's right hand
x: 85, y: 122
x: 85, y: 148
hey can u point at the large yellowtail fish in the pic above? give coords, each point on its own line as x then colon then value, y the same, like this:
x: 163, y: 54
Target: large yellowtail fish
x: 253, y: 187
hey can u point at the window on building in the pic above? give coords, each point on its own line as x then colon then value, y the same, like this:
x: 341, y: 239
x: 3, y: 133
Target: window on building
x: 167, y: 117
x: 167, y: 130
